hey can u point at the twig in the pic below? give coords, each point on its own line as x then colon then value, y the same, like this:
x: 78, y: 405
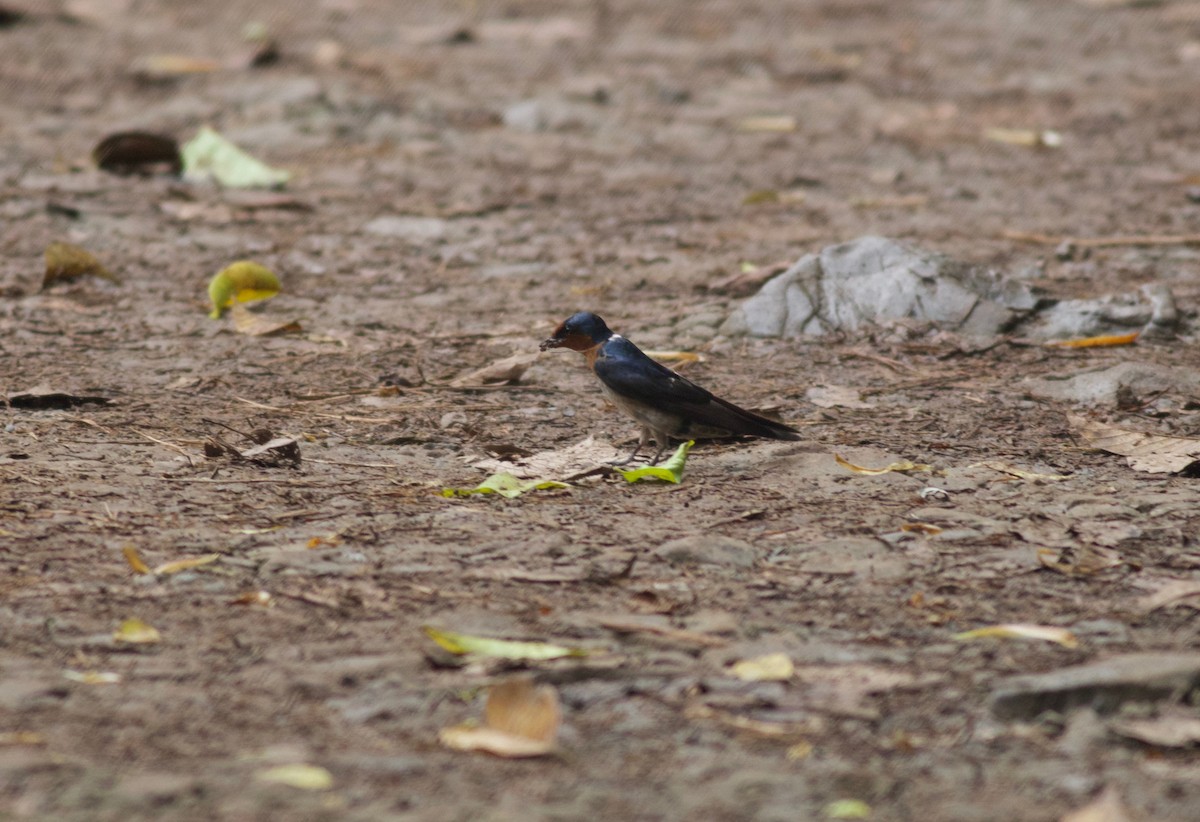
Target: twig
x: 1103, y: 242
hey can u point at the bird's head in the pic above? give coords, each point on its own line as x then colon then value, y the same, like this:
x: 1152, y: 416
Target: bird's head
x: 579, y: 332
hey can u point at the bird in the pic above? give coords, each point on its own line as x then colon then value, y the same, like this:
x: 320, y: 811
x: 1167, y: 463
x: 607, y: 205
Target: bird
x: 664, y: 403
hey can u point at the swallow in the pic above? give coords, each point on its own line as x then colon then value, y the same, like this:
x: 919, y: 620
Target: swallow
x: 666, y: 404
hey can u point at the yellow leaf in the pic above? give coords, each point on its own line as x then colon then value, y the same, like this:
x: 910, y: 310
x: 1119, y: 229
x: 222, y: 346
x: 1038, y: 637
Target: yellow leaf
x: 243, y: 282
x: 669, y: 471
x: 486, y: 646
x: 675, y: 356
x: 298, y: 775
x: 768, y: 668
x: 1023, y: 631
x: 134, y: 560
x: 770, y: 122
x: 901, y: 467
x: 93, y: 677
x: 521, y: 720
x: 184, y: 564
x: 66, y: 262
x: 848, y: 809
x: 136, y: 632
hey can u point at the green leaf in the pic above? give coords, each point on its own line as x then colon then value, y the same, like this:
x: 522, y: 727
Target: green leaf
x: 504, y: 484
x: 243, y: 282
x: 209, y: 155
x: 669, y: 471
x: 848, y: 809
x: 503, y: 648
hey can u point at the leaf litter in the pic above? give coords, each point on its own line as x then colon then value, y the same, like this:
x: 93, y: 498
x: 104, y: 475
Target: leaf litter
x: 521, y: 720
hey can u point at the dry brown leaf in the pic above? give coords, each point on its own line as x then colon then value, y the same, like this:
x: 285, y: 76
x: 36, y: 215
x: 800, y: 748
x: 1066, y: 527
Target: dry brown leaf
x: 835, y: 396
x: 1080, y: 560
x: 583, y: 456
x: 168, y: 568
x: 1167, y: 731
x: 502, y: 372
x: 66, y: 262
x: 253, y: 325
x: 1152, y: 453
x: 902, y: 467
x: 770, y: 122
x: 1174, y: 592
x: 522, y: 720
x: 253, y: 598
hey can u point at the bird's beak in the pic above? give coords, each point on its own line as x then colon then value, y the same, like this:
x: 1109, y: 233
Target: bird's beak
x: 550, y: 343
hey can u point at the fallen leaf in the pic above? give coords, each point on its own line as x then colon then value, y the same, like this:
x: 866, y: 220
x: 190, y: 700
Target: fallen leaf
x: 1107, y: 807
x: 920, y: 528
x: 900, y: 467
x: 585, y: 456
x: 834, y: 396
x: 168, y: 568
x: 253, y: 325
x: 208, y: 155
x: 1024, y: 137
x: 66, y: 262
x: 771, y: 123
x: 768, y: 668
x: 848, y: 809
x: 126, y: 152
x: 670, y: 471
x: 632, y: 625
x: 504, y: 649
x: 21, y: 738
x: 298, y: 775
x: 1023, y: 631
x: 506, y: 485
x: 521, y: 720
x: 1020, y: 473
x: 1172, y: 593
x: 761, y: 196
x: 1168, y: 731
x: 93, y: 677
x: 136, y: 632
x: 502, y: 372
x: 275, y: 451
x: 1080, y: 560
x: 166, y: 66
x: 134, y: 560
x: 243, y: 282
x: 1097, y: 342
x: 1151, y: 453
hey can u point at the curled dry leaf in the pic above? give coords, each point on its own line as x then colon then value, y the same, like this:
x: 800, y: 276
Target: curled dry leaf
x: 1168, y: 731
x: 521, y: 720
x: 254, y: 326
x: 902, y: 467
x: 768, y: 668
x: 135, y: 560
x: 1174, y: 592
x: 66, y: 262
x: 1080, y: 560
x: 243, y: 282
x: 1103, y: 341
x: 298, y: 775
x: 168, y: 568
x: 505, y: 649
x: 135, y: 632
x: 1152, y: 453
x: 126, y: 152
x: 1023, y: 631
x: 502, y: 372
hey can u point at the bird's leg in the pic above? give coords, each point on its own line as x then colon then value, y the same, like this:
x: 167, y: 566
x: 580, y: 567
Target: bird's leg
x: 643, y: 441
x: 662, y: 441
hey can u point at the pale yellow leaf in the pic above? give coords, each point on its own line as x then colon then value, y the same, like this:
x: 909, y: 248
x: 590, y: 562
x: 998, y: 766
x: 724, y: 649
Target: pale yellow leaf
x: 136, y: 632
x: 298, y: 775
x: 486, y: 646
x: 521, y: 720
x: 93, y: 677
x: 1151, y: 453
x: 1023, y: 631
x: 184, y: 564
x: 768, y: 668
x: 902, y: 467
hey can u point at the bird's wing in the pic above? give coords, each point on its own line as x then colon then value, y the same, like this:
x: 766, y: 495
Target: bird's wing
x: 625, y: 369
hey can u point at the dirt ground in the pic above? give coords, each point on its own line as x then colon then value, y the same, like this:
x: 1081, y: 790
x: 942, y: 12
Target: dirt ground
x: 465, y: 176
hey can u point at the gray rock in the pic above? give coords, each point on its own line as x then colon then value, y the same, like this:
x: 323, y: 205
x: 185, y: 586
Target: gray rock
x: 1104, y: 387
x: 708, y: 549
x: 1102, y: 686
x: 874, y: 280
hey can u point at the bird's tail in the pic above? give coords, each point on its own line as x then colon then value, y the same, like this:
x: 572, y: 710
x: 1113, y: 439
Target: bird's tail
x: 740, y: 422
